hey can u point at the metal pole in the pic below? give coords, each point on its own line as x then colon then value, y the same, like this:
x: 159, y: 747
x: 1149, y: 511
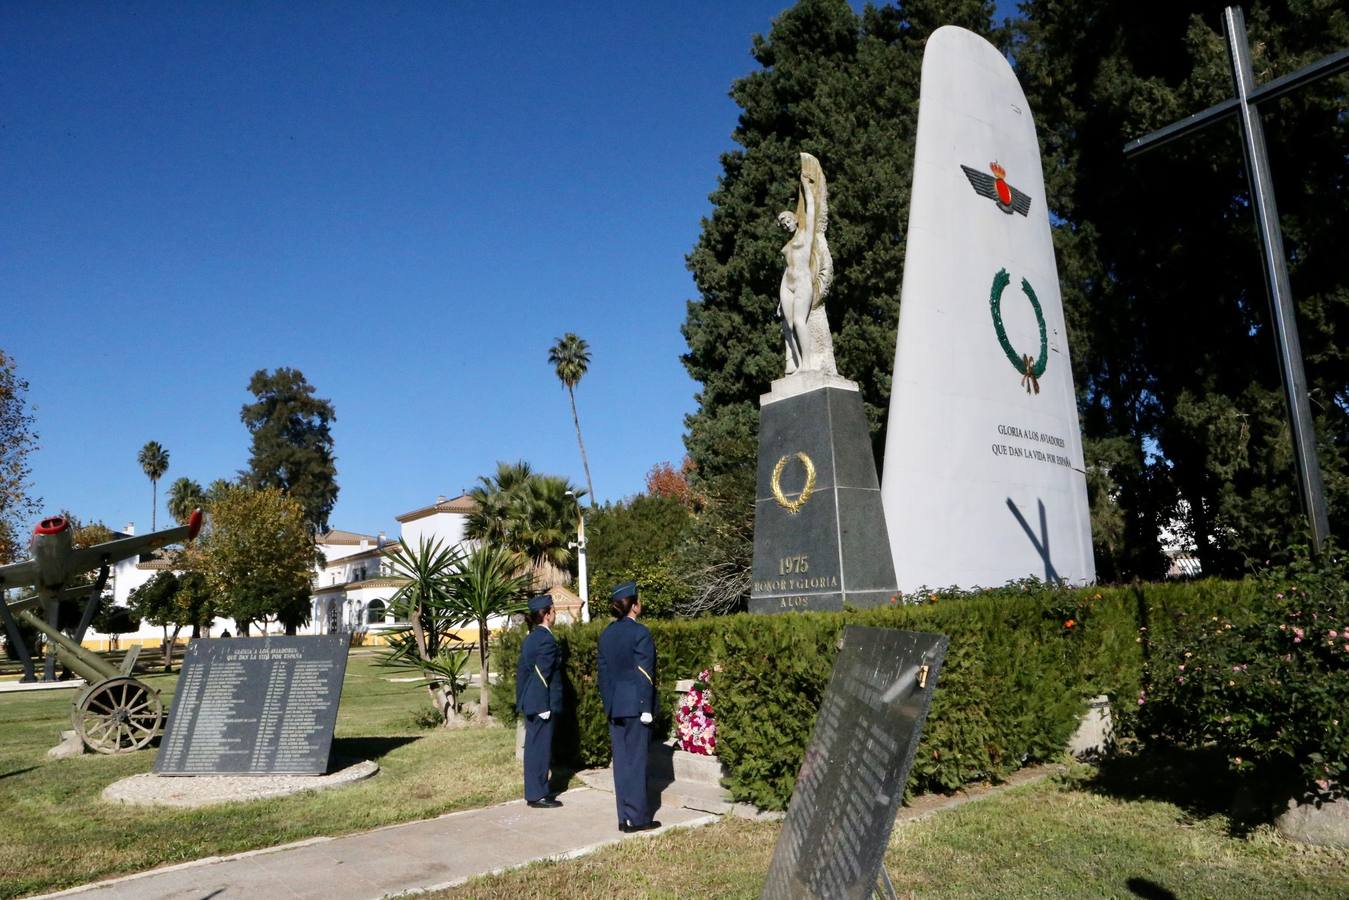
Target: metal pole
x: 92, y: 604
x: 52, y: 610
x: 15, y: 639
x: 581, y: 563
x: 1276, y: 280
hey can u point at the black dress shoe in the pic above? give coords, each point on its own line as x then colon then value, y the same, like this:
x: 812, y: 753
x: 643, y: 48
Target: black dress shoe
x: 545, y: 803
x: 633, y: 829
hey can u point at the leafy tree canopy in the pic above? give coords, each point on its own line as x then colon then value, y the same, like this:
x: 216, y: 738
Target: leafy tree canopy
x: 1179, y: 390
x: 636, y: 539
x: 257, y: 557
x: 292, y: 442
x: 17, y: 440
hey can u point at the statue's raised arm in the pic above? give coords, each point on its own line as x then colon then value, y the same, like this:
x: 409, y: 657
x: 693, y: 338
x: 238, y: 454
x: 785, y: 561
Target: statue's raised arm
x: 806, y: 275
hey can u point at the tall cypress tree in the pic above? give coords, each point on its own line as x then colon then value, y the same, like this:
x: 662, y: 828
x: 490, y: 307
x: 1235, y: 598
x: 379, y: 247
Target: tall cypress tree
x: 292, y: 442
x: 843, y: 87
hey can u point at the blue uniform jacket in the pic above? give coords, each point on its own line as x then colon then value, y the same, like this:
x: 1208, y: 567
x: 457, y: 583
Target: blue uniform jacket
x: 627, y: 669
x: 538, y: 674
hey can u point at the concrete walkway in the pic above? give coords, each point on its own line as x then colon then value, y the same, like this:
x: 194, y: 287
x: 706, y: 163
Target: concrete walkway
x: 413, y: 857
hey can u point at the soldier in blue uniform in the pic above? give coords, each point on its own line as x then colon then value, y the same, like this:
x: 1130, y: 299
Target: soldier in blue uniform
x: 628, y: 687
x: 538, y: 696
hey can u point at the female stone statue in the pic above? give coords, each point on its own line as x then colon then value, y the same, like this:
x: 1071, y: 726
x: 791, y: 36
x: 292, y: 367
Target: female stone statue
x: 807, y: 274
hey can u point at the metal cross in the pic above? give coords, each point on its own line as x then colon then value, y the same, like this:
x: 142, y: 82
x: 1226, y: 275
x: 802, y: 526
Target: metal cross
x: 1244, y: 107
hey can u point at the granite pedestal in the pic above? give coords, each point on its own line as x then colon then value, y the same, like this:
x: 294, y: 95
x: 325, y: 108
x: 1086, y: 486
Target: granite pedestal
x: 819, y: 528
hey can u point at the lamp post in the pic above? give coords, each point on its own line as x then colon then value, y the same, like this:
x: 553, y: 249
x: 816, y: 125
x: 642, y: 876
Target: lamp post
x: 579, y: 545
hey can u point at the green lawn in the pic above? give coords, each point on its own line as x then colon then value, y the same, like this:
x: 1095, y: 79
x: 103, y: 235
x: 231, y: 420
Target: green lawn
x: 1074, y: 836
x: 55, y: 831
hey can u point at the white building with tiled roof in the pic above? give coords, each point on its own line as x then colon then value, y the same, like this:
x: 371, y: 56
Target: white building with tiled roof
x: 353, y: 588
x: 352, y: 585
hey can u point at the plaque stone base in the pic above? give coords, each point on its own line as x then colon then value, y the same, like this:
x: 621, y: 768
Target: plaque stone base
x: 819, y: 528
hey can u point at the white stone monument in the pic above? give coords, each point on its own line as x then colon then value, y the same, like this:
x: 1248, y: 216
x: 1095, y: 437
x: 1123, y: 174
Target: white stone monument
x: 983, y: 479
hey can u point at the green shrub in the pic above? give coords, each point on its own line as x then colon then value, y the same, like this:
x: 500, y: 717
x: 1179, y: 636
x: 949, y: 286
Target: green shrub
x: 1265, y: 683
x: 1012, y: 688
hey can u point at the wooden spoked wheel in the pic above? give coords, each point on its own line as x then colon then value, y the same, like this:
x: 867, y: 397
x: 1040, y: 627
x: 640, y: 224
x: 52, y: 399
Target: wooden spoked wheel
x: 118, y: 715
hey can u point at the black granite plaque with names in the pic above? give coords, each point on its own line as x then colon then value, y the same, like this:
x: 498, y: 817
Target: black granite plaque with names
x: 852, y: 778
x: 255, y: 706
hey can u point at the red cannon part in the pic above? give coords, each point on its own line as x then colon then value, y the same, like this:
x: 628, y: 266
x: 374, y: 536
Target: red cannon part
x: 194, y: 524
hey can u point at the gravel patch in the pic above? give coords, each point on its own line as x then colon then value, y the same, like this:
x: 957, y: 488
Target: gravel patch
x: 204, y: 790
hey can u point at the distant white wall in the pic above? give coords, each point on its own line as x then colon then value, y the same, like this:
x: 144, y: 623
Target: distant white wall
x: 445, y: 526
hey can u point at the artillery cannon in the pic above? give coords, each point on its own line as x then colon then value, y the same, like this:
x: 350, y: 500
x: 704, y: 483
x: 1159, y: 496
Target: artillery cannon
x: 116, y: 712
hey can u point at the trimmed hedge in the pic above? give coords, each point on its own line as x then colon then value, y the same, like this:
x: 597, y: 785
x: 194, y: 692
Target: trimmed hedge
x: 1012, y: 688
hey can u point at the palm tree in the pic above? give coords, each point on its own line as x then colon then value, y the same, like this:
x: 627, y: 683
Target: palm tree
x: 185, y: 495
x: 497, y: 499
x: 529, y: 514
x: 487, y: 585
x: 570, y: 357
x: 218, y: 489
x: 154, y: 461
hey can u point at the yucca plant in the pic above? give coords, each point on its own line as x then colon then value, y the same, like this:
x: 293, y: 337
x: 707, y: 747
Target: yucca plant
x: 425, y: 638
x: 490, y: 582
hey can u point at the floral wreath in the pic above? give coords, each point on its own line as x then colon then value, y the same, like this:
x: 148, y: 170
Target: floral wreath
x: 1031, y: 370
x: 694, y: 723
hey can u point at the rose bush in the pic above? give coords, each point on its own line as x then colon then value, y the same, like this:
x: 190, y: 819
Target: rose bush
x: 1267, y: 684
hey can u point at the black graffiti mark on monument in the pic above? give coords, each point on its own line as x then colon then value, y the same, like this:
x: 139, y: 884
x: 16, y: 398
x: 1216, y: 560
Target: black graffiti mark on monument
x: 1040, y: 543
x: 852, y: 777
x: 255, y: 706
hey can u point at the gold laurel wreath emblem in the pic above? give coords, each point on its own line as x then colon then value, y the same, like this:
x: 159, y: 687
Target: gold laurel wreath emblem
x: 793, y: 505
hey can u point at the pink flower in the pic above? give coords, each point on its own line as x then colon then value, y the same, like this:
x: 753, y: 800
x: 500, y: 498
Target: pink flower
x: 1333, y: 634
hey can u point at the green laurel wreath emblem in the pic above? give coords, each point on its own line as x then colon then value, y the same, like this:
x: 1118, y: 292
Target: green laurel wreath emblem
x: 1031, y: 370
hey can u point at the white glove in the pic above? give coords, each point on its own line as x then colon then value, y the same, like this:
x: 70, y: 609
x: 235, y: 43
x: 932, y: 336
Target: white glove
x: 645, y: 718
x: 546, y: 715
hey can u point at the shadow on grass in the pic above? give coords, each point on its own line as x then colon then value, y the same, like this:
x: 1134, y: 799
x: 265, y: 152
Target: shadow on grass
x: 368, y: 747
x: 1199, y: 782
x: 1148, y: 889
x: 14, y: 772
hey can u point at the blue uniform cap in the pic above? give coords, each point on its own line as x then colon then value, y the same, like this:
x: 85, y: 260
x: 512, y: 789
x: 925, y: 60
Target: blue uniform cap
x: 626, y: 589
x: 540, y: 603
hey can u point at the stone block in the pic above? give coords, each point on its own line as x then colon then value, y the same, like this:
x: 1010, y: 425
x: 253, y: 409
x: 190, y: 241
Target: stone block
x: 1324, y: 826
x: 820, y: 537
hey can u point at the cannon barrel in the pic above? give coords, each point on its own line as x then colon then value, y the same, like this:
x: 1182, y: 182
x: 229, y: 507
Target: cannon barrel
x: 84, y: 663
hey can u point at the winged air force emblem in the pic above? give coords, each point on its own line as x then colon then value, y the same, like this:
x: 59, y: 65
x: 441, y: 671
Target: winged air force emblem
x: 996, y: 188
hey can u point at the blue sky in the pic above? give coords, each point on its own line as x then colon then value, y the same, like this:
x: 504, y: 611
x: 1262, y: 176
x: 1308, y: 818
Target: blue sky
x: 407, y: 202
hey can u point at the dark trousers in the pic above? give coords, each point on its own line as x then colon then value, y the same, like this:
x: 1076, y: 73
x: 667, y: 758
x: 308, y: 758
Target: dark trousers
x: 538, y: 754
x: 630, y: 739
